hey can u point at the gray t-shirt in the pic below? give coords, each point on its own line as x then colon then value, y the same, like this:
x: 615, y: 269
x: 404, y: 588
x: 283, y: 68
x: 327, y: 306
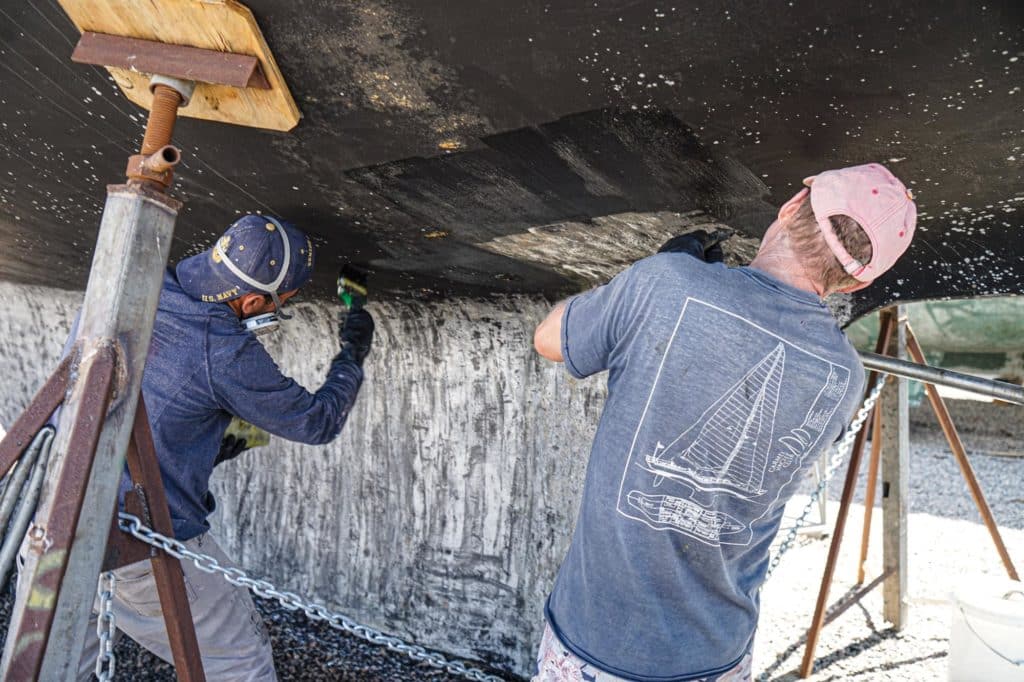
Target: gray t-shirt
x: 724, y: 387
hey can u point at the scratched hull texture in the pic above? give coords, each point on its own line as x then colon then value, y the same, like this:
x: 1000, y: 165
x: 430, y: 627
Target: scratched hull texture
x: 445, y: 507
x: 442, y: 511
x: 34, y: 323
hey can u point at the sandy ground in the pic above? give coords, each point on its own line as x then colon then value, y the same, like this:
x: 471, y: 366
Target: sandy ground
x: 948, y: 547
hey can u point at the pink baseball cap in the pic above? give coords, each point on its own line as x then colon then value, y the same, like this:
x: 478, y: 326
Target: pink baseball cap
x: 878, y: 201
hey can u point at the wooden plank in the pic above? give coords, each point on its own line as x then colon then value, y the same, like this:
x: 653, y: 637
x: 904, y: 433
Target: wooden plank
x: 222, y: 25
x: 895, y: 474
x: 188, y: 63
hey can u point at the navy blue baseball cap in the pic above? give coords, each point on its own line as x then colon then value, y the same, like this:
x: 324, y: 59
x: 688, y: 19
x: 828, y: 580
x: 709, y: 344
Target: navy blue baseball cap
x: 257, y: 254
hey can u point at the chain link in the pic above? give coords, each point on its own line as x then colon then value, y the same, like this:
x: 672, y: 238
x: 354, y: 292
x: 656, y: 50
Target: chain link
x: 106, y: 627
x: 293, y: 602
x: 839, y: 453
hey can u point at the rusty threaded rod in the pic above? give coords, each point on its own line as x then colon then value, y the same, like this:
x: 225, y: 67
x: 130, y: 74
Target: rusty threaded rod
x: 162, y: 115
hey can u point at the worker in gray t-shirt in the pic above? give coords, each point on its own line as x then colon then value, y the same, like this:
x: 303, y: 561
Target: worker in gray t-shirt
x: 724, y: 386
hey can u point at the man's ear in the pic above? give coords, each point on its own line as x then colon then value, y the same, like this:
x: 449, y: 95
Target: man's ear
x: 252, y: 304
x: 790, y: 208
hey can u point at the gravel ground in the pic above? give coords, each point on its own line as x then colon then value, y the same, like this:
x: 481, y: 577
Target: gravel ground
x: 948, y: 546
x: 303, y: 650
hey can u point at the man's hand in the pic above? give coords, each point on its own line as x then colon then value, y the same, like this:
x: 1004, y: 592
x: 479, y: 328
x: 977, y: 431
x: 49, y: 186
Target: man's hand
x: 699, y: 244
x: 239, y: 437
x: 356, y: 335
x: 230, y: 447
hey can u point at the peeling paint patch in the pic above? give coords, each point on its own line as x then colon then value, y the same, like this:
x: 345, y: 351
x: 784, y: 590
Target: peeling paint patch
x: 386, y: 74
x: 594, y: 182
x: 842, y: 306
x: 594, y: 252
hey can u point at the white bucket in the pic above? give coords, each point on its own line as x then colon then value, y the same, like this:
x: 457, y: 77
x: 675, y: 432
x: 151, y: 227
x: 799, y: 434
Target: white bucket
x: 987, y: 640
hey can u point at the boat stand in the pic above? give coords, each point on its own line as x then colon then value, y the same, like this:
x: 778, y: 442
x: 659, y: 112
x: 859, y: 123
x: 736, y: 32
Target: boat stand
x: 103, y: 419
x: 49, y: 541
x: 890, y: 452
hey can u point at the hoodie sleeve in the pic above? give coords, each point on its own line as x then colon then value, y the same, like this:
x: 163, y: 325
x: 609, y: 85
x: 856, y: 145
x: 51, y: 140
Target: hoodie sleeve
x: 246, y: 382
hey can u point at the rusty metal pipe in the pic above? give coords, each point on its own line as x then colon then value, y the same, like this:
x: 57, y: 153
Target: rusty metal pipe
x: 163, y: 113
x: 170, y: 584
x: 162, y: 160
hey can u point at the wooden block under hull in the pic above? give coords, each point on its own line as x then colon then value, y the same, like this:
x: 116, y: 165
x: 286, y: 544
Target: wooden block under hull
x: 223, y: 25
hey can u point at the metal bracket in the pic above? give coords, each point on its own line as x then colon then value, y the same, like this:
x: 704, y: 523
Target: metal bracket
x: 176, y: 61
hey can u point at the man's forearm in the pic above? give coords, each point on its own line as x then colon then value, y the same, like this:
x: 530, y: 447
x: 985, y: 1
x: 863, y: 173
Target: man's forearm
x: 547, y: 339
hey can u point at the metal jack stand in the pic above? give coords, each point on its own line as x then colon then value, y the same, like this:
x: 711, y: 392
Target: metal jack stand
x: 892, y: 431
x: 98, y: 384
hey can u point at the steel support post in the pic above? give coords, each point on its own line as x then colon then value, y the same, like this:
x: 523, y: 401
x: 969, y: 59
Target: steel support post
x: 52, y: 536
x: 116, y: 321
x: 895, y: 438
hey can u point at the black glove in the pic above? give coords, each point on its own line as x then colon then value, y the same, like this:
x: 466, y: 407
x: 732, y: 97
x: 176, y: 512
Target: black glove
x: 230, y: 447
x: 356, y: 335
x: 699, y: 244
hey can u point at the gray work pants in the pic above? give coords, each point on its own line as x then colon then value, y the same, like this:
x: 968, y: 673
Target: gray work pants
x: 233, y: 642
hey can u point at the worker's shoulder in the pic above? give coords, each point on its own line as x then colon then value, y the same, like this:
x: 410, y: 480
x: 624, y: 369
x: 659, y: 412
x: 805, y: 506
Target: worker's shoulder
x: 849, y: 352
x: 664, y: 279
x: 182, y: 319
x: 667, y: 269
x: 832, y: 344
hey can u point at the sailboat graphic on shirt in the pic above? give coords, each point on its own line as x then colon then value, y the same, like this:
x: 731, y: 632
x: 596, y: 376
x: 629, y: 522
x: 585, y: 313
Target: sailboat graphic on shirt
x: 715, y: 455
x: 727, y: 449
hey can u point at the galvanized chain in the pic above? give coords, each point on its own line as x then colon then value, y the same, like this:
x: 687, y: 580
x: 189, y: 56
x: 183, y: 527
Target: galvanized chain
x: 106, y: 627
x: 839, y: 453
x: 293, y: 602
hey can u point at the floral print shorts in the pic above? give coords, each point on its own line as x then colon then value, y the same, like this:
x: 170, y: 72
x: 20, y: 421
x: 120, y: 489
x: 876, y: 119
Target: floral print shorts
x: 555, y: 663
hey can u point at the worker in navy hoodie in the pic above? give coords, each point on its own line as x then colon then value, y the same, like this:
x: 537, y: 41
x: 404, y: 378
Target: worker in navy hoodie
x: 205, y: 367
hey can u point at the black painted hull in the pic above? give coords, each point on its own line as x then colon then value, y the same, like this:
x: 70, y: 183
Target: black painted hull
x: 432, y: 128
